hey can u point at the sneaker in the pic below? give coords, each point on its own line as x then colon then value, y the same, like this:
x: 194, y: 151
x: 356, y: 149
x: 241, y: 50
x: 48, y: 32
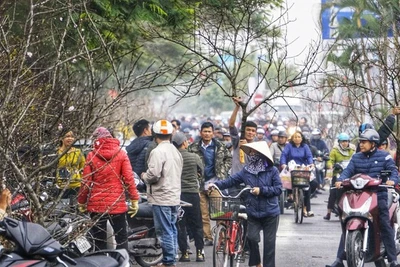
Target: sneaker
x: 200, y: 255
x: 185, y: 257
x: 394, y: 264
x: 208, y: 242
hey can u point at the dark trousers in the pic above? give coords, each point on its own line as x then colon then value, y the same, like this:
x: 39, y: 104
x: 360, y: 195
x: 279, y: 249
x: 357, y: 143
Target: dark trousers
x: 387, y: 233
x: 191, y: 221
x: 269, y: 226
x: 333, y: 194
x: 307, y: 199
x: 99, y: 231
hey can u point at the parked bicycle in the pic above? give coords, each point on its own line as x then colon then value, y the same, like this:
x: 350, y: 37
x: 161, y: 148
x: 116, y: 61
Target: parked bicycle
x: 230, y: 235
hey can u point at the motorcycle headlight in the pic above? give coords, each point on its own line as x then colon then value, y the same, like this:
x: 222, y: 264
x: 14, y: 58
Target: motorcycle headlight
x: 359, y: 183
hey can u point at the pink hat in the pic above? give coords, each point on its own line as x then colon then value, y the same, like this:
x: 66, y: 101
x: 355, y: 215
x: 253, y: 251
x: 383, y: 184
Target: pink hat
x: 101, y: 132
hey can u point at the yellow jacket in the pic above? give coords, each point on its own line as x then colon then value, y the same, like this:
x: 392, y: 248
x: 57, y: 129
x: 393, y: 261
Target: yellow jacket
x: 70, y: 167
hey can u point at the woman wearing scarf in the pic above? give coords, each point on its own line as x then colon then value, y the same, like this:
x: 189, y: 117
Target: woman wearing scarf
x: 262, y: 205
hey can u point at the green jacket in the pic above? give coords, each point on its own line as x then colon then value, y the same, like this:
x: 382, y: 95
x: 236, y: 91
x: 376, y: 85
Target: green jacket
x: 338, y: 155
x: 192, y: 172
x: 223, y: 157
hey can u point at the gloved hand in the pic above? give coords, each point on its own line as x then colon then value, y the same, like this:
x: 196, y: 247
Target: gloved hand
x: 133, y: 208
x: 82, y: 208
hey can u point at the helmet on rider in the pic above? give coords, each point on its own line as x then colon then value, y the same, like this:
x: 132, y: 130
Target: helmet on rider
x: 282, y: 134
x: 275, y: 132
x: 163, y: 127
x: 370, y: 135
x: 364, y: 127
x: 343, y: 137
x: 316, y: 134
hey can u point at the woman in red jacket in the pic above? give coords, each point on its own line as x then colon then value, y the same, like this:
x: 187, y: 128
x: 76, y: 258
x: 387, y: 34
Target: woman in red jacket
x: 106, y: 176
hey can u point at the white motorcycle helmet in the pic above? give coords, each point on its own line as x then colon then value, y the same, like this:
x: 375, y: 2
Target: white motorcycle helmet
x: 163, y: 127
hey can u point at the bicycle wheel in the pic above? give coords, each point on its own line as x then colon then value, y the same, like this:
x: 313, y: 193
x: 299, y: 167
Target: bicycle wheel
x: 301, y: 205
x: 296, y: 204
x: 221, y: 247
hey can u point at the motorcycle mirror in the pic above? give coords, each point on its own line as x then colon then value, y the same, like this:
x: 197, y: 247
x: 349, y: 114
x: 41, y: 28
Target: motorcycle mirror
x: 44, y: 196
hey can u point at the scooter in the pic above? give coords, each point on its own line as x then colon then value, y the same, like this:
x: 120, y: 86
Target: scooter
x: 28, y: 244
x: 359, y: 214
x: 143, y: 244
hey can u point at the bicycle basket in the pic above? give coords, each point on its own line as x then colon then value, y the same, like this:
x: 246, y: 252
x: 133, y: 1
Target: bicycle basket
x: 300, y: 178
x: 226, y: 209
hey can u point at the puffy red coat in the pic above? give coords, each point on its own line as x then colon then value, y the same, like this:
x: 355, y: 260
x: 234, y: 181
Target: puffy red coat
x: 106, y: 177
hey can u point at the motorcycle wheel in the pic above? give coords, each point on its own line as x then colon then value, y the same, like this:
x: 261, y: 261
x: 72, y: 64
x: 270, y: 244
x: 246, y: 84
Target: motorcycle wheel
x: 354, y: 254
x: 148, y: 261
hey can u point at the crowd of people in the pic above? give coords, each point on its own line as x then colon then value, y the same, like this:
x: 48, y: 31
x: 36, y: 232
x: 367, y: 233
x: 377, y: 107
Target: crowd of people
x: 177, y: 161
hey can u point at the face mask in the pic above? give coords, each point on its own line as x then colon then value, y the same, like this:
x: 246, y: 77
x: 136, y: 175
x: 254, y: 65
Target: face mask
x: 316, y: 137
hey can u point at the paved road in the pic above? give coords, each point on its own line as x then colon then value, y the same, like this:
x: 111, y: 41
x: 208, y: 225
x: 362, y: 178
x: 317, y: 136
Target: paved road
x: 313, y: 243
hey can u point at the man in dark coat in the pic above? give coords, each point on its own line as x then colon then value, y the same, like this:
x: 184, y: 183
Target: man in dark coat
x: 138, y: 147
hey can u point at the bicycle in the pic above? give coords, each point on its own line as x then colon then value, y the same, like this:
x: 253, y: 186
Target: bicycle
x: 230, y: 235
x: 300, y: 180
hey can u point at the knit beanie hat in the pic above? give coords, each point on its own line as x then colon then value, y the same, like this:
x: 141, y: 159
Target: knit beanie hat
x: 101, y: 132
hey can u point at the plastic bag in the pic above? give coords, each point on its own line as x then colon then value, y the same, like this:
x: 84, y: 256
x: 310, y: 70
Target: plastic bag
x: 286, y: 179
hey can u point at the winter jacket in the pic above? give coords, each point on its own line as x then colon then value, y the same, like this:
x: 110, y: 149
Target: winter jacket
x: 163, y: 177
x: 70, y: 167
x: 192, y: 172
x: 371, y: 163
x: 338, y: 155
x: 301, y: 155
x: 106, y: 176
x: 276, y: 152
x: 320, y: 145
x: 223, y: 157
x: 137, y: 152
x: 267, y: 202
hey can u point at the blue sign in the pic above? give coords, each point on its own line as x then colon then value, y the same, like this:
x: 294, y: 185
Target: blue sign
x: 332, y: 17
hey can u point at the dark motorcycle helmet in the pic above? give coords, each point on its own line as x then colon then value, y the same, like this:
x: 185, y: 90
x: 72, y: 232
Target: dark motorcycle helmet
x: 364, y: 127
x: 370, y: 135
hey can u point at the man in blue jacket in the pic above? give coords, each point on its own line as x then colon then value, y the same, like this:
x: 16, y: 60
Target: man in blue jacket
x: 371, y: 161
x: 138, y: 147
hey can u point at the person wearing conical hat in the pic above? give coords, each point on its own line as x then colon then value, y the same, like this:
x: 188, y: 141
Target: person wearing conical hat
x: 262, y: 203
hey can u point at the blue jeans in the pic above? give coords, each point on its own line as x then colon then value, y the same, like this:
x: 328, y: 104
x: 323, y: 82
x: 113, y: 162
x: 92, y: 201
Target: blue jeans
x: 165, y: 218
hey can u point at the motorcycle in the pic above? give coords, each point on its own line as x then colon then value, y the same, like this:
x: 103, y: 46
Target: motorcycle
x: 359, y: 214
x: 143, y: 244
x: 70, y: 229
x: 29, y: 244
x: 337, y: 168
x: 320, y: 165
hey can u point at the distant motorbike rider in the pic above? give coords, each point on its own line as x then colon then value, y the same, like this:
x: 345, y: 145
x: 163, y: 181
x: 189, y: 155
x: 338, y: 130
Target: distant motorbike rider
x: 316, y: 140
x: 371, y: 161
x: 343, y: 151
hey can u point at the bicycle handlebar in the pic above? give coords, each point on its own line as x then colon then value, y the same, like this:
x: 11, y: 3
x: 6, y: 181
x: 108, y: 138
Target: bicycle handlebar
x: 237, y: 196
